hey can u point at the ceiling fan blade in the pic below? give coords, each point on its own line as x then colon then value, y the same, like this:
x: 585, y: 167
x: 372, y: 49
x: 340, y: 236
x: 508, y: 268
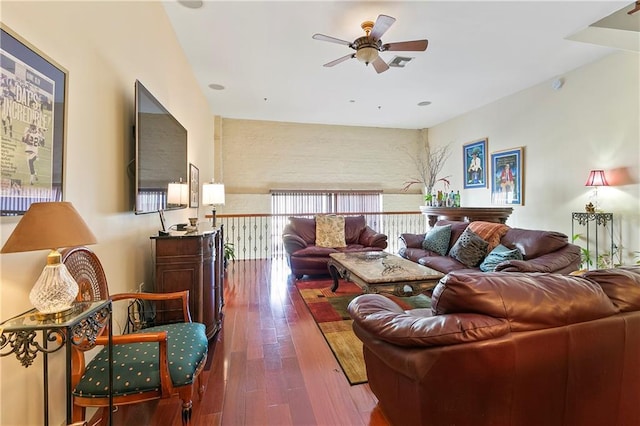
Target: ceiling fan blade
x: 337, y: 61
x: 415, y: 46
x: 323, y: 37
x: 380, y: 65
x: 381, y: 26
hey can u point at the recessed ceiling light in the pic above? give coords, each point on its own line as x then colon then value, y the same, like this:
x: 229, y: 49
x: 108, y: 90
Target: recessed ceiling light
x: 214, y: 86
x: 424, y: 103
x: 191, y: 4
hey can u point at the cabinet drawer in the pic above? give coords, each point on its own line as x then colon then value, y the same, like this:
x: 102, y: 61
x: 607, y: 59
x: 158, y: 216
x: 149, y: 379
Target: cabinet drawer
x: 176, y: 247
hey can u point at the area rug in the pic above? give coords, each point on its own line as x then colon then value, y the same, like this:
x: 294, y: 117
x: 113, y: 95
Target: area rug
x: 329, y: 310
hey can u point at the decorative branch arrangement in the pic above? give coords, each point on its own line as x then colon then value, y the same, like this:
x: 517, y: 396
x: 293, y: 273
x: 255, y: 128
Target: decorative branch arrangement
x: 428, y: 163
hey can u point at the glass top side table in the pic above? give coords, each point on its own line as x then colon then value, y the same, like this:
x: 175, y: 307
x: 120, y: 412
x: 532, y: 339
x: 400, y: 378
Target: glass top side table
x: 585, y: 219
x: 80, y: 327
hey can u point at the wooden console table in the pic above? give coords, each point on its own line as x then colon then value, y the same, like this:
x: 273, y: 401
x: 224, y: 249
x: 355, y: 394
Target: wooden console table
x: 466, y: 214
x: 194, y: 262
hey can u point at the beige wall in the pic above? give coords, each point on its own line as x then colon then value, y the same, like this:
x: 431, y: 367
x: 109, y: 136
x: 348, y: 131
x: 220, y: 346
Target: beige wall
x: 105, y: 47
x: 591, y: 123
x: 258, y: 156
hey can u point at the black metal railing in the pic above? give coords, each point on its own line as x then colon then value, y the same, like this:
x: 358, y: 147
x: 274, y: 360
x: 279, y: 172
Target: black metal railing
x: 259, y: 236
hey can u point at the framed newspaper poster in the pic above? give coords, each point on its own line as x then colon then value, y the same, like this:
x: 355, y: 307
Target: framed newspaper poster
x: 33, y: 109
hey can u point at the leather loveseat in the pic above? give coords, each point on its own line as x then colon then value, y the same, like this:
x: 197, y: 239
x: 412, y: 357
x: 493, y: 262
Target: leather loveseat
x: 542, y: 251
x: 508, y: 349
x: 306, y: 258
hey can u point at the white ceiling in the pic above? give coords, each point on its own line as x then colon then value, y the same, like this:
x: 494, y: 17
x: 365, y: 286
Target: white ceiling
x: 479, y: 51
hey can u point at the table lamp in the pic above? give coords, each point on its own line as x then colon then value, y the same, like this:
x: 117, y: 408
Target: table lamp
x: 213, y: 195
x: 596, y: 178
x: 178, y: 193
x: 51, y: 225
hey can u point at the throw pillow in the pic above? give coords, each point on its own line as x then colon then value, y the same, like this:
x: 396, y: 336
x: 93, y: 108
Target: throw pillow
x: 470, y: 249
x: 330, y: 231
x: 498, y: 255
x: 490, y: 232
x: 437, y: 239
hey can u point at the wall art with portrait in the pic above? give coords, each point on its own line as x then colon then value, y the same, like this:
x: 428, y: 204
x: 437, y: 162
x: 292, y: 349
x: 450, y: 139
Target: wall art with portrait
x: 474, y: 157
x: 507, y: 177
x: 33, y: 108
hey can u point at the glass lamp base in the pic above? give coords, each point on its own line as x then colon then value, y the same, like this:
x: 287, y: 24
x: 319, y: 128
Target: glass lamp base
x: 54, y: 291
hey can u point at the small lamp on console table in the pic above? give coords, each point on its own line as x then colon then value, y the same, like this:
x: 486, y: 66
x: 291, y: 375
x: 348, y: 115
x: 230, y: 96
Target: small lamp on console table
x: 213, y: 195
x: 51, y: 225
x: 596, y: 178
x: 178, y: 193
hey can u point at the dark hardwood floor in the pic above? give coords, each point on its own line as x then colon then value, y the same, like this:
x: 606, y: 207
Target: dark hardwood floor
x: 270, y: 365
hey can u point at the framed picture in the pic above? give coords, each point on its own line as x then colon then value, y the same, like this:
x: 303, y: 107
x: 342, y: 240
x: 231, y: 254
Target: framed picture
x: 194, y: 186
x: 507, y: 177
x: 33, y: 106
x: 474, y: 158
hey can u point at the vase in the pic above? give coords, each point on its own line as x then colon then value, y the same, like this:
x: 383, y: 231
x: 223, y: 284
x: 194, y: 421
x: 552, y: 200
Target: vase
x: 426, y: 193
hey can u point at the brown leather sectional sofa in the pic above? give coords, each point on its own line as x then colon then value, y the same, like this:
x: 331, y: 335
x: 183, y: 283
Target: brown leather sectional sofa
x: 543, y: 251
x: 305, y: 258
x: 504, y: 349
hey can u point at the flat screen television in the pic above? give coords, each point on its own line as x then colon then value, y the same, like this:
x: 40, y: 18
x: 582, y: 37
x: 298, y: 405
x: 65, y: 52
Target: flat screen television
x: 160, y: 153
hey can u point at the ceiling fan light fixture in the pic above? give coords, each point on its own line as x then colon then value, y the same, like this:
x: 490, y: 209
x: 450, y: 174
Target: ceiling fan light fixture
x: 367, y: 54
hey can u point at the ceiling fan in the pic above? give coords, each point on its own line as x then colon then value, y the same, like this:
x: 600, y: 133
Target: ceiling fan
x: 368, y: 46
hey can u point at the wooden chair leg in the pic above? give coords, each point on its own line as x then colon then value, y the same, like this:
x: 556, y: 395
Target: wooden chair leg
x: 186, y: 395
x: 202, y: 387
x: 186, y: 412
x: 78, y: 413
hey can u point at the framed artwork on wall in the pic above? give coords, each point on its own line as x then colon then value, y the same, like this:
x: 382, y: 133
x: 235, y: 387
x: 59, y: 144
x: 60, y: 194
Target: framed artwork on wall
x: 474, y: 158
x: 194, y: 186
x: 33, y: 105
x: 507, y: 177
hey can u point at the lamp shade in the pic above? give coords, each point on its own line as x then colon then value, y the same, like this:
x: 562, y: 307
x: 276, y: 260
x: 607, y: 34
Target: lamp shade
x: 596, y: 178
x: 213, y: 194
x: 50, y: 225
x: 178, y: 193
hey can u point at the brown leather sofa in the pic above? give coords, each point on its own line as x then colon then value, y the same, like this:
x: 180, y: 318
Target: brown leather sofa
x: 305, y: 258
x: 543, y: 251
x: 508, y: 349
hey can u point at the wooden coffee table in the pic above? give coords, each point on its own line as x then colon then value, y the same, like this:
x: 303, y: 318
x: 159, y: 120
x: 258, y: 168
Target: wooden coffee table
x: 379, y: 271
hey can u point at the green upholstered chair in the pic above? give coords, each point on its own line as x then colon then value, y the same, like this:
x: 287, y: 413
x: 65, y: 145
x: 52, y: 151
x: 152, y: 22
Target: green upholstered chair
x: 157, y: 362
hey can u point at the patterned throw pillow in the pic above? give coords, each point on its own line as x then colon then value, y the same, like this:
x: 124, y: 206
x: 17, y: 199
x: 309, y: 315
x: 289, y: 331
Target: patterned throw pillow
x: 470, y: 249
x: 437, y: 239
x: 330, y: 231
x: 489, y: 231
x: 498, y: 255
